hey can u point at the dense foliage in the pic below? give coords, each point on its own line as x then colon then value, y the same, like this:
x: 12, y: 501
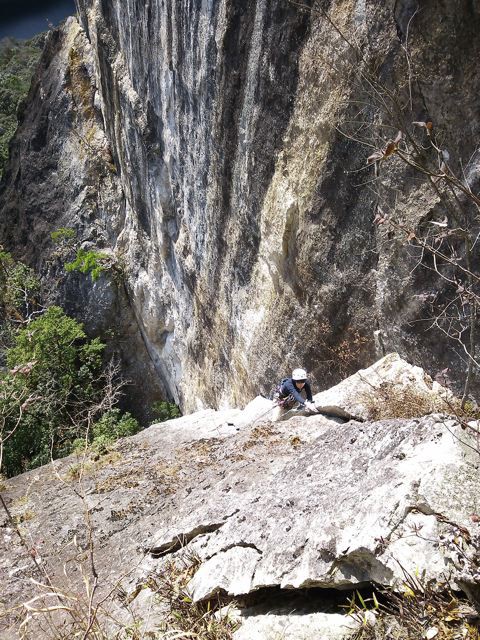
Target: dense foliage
x: 17, y: 63
x: 164, y: 410
x: 53, y: 388
x: 111, y: 426
x: 49, y: 387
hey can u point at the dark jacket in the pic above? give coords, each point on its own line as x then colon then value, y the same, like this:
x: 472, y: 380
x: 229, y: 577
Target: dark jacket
x: 287, y: 388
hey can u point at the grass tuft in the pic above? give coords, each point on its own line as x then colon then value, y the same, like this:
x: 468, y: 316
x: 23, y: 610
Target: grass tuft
x: 206, y: 620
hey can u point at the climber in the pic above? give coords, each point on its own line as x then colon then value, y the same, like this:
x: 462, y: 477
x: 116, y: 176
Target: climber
x: 289, y: 391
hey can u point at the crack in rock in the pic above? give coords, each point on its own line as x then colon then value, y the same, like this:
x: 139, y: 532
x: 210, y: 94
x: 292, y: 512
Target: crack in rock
x: 235, y: 545
x: 182, y: 539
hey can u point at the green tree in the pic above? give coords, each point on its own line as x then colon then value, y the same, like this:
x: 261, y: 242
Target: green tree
x: 164, y: 410
x: 51, y: 384
x: 19, y: 289
x: 19, y: 299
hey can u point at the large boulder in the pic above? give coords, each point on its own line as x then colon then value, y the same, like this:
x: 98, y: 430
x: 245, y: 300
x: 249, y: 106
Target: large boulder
x: 389, y: 388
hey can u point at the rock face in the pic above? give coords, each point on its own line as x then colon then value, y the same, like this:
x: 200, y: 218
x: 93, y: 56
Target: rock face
x: 62, y: 175
x: 301, y: 509
x: 200, y: 143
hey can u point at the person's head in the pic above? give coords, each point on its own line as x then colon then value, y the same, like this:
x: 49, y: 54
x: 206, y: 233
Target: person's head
x: 299, y: 377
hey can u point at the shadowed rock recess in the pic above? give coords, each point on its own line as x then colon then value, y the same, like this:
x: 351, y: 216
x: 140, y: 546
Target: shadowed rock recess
x: 288, y: 517
x: 198, y: 142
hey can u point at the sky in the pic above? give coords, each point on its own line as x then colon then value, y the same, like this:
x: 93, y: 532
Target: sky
x: 25, y: 18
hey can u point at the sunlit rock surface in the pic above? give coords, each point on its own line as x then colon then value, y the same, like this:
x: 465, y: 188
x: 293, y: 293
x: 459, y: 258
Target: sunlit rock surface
x: 287, y: 515
x: 200, y: 143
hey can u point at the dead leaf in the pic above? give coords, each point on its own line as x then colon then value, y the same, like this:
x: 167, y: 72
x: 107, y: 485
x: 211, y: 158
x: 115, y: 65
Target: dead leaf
x: 390, y: 149
x: 428, y: 126
x: 431, y: 633
x: 295, y: 441
x: 378, y: 155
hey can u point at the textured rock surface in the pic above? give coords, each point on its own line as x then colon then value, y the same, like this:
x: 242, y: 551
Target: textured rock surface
x: 391, y: 385
x: 62, y: 175
x: 309, y: 521
x: 269, y: 509
x: 198, y: 142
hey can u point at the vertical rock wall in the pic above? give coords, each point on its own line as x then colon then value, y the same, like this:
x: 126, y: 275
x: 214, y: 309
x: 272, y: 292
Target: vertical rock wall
x: 241, y: 215
x: 197, y: 99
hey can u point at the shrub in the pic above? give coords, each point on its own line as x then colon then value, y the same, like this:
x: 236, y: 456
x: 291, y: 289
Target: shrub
x: 164, y: 410
x: 52, y: 382
x: 113, y: 425
x: 92, y: 262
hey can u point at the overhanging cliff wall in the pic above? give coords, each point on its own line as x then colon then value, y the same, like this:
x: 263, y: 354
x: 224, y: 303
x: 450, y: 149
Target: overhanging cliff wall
x: 238, y: 210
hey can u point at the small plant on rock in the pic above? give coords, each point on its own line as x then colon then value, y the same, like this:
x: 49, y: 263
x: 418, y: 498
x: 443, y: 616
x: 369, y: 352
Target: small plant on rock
x: 92, y: 262
x: 63, y: 235
x: 206, y: 620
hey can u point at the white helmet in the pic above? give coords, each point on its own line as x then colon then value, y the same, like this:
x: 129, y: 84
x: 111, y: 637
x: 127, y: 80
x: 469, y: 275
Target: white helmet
x: 299, y: 374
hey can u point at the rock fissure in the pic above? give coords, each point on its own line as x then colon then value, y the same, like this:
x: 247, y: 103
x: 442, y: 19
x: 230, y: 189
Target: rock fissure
x: 310, y: 599
x: 236, y: 545
x: 182, y: 539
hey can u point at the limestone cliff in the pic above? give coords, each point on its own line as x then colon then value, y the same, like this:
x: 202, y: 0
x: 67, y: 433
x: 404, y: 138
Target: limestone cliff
x: 201, y: 143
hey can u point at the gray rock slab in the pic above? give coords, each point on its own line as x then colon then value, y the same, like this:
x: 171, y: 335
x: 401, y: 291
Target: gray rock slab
x: 314, y: 626
x: 345, y: 510
x: 363, y: 394
x: 266, y: 507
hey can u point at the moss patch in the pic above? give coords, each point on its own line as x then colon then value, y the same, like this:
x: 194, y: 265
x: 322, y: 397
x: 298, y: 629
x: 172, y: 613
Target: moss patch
x: 81, y: 85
